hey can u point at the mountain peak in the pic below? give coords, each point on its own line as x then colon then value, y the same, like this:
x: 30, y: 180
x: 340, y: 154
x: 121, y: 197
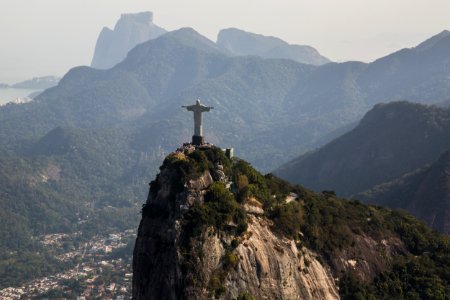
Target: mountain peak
x: 186, y: 32
x: 429, y: 43
x: 130, y: 30
x: 145, y: 17
x: 190, y: 37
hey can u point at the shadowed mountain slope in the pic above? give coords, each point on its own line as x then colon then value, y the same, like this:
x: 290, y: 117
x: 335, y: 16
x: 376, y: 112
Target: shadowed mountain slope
x: 425, y: 193
x: 390, y: 140
x: 418, y: 74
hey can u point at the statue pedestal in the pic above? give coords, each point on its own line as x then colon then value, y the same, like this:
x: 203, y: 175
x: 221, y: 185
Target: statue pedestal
x: 197, y: 140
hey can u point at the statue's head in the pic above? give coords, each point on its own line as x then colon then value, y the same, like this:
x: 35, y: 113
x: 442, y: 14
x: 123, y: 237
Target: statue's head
x: 197, y: 102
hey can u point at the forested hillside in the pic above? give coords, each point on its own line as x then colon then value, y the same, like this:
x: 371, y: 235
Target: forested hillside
x: 425, y: 193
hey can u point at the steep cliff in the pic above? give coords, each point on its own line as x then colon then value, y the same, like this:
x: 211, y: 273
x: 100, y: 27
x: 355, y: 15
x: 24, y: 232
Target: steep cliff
x: 215, y: 228
x: 130, y: 30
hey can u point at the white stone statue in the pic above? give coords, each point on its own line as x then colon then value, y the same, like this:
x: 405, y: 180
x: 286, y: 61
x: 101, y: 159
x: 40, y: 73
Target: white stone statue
x: 198, y: 109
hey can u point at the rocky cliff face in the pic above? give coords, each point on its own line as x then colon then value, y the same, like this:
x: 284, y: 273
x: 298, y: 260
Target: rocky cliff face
x: 274, y: 267
x: 268, y: 265
x: 131, y: 29
x: 202, y: 236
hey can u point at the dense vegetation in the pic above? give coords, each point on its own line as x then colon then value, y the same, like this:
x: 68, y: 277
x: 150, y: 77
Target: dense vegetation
x: 27, y: 264
x: 423, y: 274
x: 329, y: 224
x: 70, y: 180
x: 220, y: 206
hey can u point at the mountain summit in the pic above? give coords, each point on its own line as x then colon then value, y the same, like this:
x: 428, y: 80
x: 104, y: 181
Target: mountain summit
x: 431, y: 42
x: 131, y: 29
x: 215, y: 228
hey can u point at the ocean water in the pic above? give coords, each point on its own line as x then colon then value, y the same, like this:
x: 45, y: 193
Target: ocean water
x: 10, y: 94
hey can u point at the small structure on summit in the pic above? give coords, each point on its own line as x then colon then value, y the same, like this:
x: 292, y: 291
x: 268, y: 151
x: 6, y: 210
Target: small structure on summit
x: 198, y: 109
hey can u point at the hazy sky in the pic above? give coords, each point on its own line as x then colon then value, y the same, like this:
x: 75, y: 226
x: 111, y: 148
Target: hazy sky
x: 48, y: 37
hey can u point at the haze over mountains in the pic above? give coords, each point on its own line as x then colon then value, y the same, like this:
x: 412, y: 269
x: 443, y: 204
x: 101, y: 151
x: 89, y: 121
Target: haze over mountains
x: 391, y: 139
x: 284, y: 104
x: 113, y: 45
x: 133, y: 29
x: 240, y: 42
x: 94, y: 141
x: 36, y: 83
x: 271, y: 108
x: 26, y: 90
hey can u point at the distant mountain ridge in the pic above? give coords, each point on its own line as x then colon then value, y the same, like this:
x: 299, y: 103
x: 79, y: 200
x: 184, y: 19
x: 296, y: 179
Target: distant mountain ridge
x: 431, y: 42
x: 391, y: 140
x: 406, y: 74
x: 37, y: 83
x: 131, y: 29
x: 385, y: 159
x: 240, y: 42
x: 275, y: 108
x: 424, y: 193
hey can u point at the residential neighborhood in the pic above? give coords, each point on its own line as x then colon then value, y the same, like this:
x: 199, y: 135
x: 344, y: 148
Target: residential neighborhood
x: 102, y: 271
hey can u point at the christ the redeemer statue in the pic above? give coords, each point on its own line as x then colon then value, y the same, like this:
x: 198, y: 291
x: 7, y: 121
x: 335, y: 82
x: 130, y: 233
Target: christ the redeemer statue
x: 198, y: 109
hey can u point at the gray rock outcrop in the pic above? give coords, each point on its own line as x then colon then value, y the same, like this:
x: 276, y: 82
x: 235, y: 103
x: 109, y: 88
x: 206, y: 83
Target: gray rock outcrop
x: 268, y: 266
x: 131, y: 29
x: 274, y: 267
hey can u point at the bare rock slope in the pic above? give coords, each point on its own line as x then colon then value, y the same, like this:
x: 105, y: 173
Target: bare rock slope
x: 131, y: 29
